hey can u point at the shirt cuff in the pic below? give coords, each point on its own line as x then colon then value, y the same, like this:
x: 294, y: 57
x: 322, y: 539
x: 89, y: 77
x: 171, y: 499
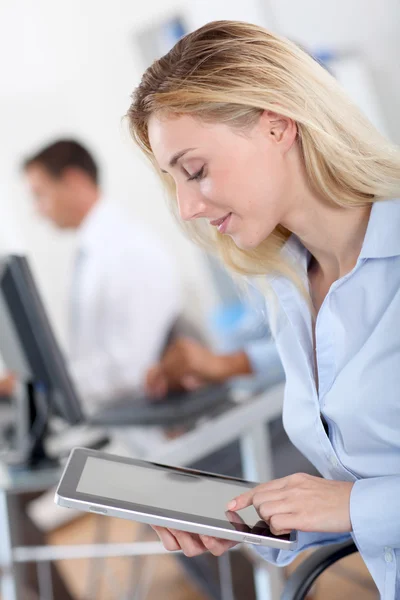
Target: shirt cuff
x: 306, y: 540
x: 375, y: 514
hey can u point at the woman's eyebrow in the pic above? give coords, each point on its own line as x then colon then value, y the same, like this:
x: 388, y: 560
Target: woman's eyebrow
x: 177, y: 156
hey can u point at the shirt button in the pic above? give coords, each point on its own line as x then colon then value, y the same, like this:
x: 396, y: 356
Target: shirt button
x: 334, y: 462
x: 388, y: 555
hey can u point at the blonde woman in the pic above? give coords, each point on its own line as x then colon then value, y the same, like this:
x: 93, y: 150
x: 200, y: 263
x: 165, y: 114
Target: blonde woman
x: 273, y: 167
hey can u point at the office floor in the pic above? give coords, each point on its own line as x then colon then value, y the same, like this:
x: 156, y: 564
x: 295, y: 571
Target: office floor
x: 348, y: 580
x: 167, y: 582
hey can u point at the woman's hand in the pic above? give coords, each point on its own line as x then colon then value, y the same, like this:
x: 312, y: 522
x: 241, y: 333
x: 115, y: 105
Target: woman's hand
x: 302, y: 502
x: 192, y: 544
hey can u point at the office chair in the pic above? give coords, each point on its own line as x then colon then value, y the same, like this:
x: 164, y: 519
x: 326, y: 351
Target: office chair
x: 301, y: 580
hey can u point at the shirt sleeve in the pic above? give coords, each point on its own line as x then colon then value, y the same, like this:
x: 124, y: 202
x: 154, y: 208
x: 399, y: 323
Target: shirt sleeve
x: 375, y: 513
x: 306, y: 540
x: 264, y: 357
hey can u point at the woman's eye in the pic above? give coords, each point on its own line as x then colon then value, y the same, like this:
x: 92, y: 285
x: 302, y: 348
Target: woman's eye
x: 197, y: 175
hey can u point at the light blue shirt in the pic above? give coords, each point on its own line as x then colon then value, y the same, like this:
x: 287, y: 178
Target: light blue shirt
x: 264, y: 358
x: 358, y: 356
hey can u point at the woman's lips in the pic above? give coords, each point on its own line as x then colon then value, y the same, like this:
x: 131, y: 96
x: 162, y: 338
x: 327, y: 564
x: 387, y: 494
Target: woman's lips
x: 221, y: 224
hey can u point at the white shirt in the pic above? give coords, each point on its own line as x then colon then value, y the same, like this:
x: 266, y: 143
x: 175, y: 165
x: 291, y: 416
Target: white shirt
x: 125, y: 297
x: 357, y: 334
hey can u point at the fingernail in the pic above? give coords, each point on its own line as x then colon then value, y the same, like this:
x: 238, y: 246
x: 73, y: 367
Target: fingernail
x: 231, y: 504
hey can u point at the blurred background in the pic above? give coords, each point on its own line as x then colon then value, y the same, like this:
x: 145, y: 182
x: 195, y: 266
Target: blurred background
x: 68, y: 69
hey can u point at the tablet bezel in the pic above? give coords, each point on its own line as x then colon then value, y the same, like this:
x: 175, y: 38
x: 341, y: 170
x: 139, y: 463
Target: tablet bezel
x: 67, y: 489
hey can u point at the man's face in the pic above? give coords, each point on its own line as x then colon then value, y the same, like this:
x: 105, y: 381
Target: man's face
x: 53, y: 195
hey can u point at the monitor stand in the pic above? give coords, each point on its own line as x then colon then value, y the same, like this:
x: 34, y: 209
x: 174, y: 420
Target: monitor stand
x: 33, y: 410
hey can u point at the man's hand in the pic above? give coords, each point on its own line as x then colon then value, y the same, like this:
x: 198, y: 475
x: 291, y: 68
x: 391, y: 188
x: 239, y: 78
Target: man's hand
x: 302, y: 502
x: 187, y: 364
x: 7, y: 385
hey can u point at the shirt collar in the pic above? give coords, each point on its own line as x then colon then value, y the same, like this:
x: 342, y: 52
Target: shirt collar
x: 298, y: 255
x: 382, y: 238
x: 90, y: 229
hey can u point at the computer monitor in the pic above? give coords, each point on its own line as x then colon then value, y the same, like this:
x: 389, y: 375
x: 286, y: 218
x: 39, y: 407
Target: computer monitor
x: 29, y: 348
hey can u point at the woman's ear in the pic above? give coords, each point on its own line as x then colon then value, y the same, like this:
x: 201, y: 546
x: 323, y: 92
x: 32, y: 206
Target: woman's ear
x: 282, y: 130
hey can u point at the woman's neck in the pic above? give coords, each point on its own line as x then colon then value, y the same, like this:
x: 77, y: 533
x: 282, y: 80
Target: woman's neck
x: 332, y: 234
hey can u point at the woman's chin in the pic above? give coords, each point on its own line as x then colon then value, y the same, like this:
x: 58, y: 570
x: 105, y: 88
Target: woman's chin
x: 246, y: 243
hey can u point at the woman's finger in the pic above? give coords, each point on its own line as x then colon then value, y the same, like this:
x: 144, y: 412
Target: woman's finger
x: 168, y: 540
x: 281, y: 524
x: 191, y: 544
x: 267, y: 509
x: 216, y: 546
x: 246, y: 499
x: 276, y: 499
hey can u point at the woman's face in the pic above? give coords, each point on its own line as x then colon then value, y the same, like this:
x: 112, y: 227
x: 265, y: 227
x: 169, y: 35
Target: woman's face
x: 242, y: 182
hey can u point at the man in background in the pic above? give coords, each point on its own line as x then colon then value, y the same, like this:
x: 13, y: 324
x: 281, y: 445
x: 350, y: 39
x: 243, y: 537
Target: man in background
x: 124, y: 295
x: 124, y: 300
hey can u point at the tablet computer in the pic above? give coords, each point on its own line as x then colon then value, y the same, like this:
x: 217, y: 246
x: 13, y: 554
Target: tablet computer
x: 162, y: 495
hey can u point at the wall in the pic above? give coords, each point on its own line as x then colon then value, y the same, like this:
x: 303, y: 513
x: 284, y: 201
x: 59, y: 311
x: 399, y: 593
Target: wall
x: 369, y: 27
x: 69, y: 69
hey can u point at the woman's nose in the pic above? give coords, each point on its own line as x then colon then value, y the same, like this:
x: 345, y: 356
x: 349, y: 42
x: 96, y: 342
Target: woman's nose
x: 191, y: 204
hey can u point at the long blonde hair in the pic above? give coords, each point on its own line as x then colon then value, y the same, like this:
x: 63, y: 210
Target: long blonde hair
x: 230, y: 72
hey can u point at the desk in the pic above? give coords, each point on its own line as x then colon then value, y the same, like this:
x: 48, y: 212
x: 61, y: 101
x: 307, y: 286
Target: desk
x: 14, y: 482
x: 245, y: 421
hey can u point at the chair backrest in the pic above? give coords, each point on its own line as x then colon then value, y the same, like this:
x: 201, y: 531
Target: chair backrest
x: 301, y: 580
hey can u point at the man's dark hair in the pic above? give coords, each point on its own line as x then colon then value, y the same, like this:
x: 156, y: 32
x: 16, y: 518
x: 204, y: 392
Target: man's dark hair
x: 61, y: 155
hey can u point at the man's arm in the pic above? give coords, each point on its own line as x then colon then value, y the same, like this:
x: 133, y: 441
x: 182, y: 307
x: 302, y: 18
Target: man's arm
x: 189, y: 364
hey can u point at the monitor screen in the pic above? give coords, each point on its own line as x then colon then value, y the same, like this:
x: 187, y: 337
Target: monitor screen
x: 27, y: 342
